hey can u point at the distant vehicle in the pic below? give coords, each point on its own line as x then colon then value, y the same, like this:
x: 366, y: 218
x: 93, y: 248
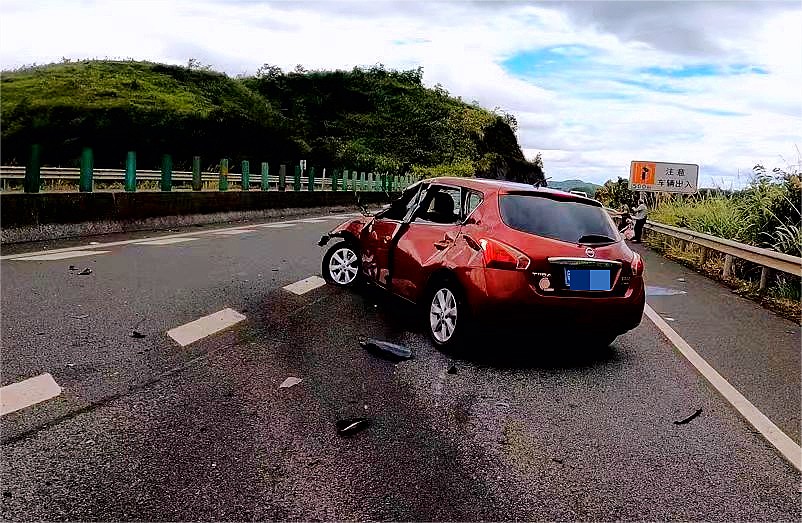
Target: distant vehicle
x: 468, y: 249
x: 579, y: 193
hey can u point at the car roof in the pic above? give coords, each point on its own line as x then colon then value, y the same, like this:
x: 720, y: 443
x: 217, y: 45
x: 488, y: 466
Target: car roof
x: 504, y: 186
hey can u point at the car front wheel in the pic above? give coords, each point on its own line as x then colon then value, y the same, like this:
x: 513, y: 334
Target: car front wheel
x: 341, y: 265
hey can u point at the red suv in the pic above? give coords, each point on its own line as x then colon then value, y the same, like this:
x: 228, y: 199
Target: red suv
x: 483, y: 249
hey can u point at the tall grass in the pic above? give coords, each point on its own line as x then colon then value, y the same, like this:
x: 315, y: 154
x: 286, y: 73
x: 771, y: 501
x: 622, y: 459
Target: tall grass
x: 765, y: 214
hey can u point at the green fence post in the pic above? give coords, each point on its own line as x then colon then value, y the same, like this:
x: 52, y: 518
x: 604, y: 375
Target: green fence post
x: 246, y: 175
x: 282, y: 178
x: 334, y: 181
x: 197, y: 181
x: 345, y: 180
x: 310, y: 181
x: 296, y: 186
x: 362, y: 181
x: 265, y: 179
x: 384, y: 182
x: 222, y: 183
x: 33, y: 173
x: 130, y: 172
x: 167, y: 173
x: 85, y: 181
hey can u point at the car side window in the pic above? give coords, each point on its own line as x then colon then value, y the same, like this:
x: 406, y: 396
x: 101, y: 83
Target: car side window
x: 440, y: 205
x: 402, y: 206
x: 472, y: 201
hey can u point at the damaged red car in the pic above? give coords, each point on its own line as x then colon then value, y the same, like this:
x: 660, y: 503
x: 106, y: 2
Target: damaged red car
x: 473, y: 250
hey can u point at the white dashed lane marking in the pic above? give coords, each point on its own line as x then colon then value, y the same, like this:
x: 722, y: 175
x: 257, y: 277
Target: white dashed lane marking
x: 781, y: 441
x: 311, y: 220
x: 305, y: 285
x: 233, y: 232
x: 22, y: 394
x: 61, y: 255
x: 276, y: 225
x: 166, y: 241
x: 206, y: 326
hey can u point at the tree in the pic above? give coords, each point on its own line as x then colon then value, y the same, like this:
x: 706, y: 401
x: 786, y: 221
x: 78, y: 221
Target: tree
x: 616, y: 193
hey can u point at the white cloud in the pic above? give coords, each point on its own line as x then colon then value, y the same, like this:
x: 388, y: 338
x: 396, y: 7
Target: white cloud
x: 587, y: 123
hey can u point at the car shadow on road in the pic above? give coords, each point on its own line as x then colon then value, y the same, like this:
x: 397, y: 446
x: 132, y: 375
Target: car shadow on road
x: 514, y: 348
x: 499, y: 346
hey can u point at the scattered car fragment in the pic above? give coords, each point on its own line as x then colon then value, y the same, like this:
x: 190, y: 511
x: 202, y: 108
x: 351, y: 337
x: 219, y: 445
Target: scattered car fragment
x: 290, y: 382
x: 386, y: 350
x: 689, y: 418
x: 348, y: 427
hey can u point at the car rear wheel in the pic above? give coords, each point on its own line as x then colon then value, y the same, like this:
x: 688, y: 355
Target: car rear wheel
x: 447, y: 315
x: 341, y: 265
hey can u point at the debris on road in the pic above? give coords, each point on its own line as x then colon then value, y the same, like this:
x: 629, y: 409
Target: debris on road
x: 73, y: 268
x: 689, y: 418
x: 94, y: 243
x: 348, y: 427
x: 85, y: 272
x: 137, y: 335
x: 669, y: 318
x: 502, y: 404
x: 290, y: 382
x: 556, y: 460
x: 79, y: 316
x: 663, y: 291
x: 681, y: 279
x: 452, y: 369
x: 386, y: 350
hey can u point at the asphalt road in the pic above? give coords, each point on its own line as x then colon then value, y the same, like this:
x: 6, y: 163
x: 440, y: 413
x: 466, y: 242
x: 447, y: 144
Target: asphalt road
x: 531, y: 426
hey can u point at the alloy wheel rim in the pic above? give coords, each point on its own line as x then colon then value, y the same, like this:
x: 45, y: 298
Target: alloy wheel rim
x: 343, y: 266
x: 443, y: 315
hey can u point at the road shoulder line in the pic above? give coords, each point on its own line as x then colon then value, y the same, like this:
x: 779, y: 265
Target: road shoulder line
x: 781, y: 441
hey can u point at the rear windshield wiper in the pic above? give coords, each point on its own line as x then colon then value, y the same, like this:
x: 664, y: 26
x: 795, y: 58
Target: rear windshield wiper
x: 595, y: 238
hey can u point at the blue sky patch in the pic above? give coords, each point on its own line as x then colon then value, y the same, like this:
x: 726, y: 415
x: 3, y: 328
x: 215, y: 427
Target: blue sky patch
x: 703, y: 70
x: 653, y: 86
x: 548, y: 60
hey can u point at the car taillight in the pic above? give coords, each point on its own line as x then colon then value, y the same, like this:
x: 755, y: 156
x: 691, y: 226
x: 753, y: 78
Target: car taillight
x: 499, y: 255
x: 637, y: 265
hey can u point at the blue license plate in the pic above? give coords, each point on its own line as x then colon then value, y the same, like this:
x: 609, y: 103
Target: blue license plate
x: 587, y: 279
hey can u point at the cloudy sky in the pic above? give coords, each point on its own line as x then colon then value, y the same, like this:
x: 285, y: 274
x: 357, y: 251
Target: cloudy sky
x: 594, y: 85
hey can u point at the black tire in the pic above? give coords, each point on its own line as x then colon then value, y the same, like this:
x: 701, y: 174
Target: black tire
x: 344, y: 255
x: 457, y: 321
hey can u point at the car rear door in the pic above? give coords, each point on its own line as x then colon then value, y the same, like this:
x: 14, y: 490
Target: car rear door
x: 422, y: 246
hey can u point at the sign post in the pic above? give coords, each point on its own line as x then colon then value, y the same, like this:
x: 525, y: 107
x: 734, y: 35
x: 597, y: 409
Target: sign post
x: 679, y: 178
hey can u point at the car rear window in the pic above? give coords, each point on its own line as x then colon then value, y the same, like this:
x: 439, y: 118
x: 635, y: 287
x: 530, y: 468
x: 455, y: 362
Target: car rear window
x: 565, y: 220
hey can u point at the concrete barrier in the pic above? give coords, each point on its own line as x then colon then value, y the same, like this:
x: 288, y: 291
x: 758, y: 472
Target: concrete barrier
x: 48, y: 216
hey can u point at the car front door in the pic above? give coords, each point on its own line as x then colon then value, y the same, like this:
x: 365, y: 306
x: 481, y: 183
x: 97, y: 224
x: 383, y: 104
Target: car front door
x: 378, y: 237
x: 424, y: 242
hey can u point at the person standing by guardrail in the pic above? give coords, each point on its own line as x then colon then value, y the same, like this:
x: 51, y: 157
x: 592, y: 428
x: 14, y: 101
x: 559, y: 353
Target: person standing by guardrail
x: 640, y: 220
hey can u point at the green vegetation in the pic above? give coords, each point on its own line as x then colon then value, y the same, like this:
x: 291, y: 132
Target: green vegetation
x: 575, y: 185
x: 366, y: 119
x: 765, y: 214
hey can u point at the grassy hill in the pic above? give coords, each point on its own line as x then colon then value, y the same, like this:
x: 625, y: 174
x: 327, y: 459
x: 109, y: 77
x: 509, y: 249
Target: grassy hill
x: 575, y: 185
x: 364, y: 118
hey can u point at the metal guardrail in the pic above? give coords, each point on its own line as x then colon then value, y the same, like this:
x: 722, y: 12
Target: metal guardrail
x: 766, y: 258
x: 118, y: 175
